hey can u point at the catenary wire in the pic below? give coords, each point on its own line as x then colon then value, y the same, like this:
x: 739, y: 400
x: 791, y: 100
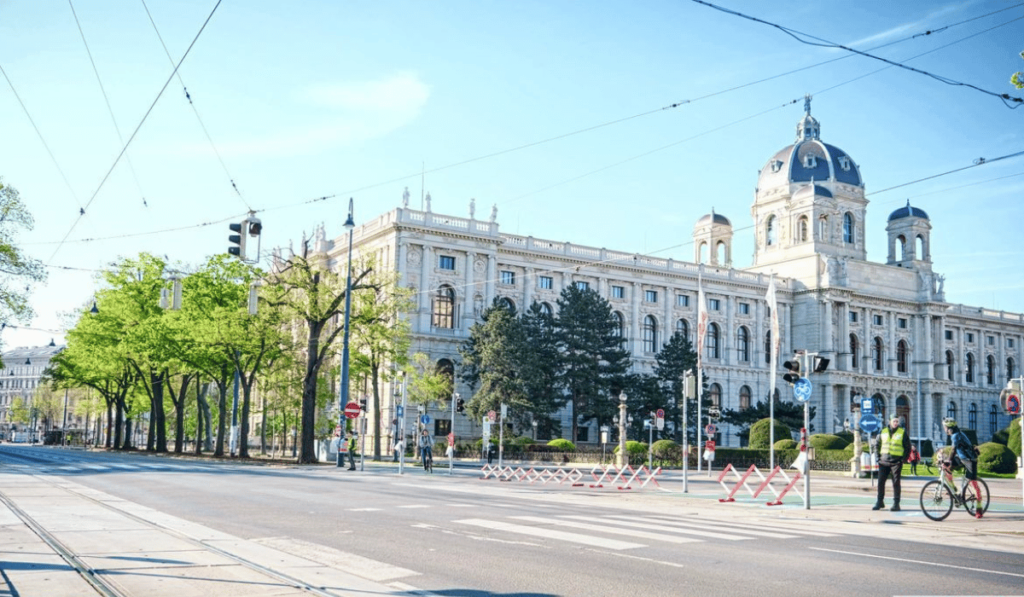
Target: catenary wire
x: 195, y: 110
x: 1006, y: 98
x: 136, y: 131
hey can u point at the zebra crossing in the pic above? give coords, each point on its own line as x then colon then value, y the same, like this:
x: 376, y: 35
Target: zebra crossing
x: 625, y: 532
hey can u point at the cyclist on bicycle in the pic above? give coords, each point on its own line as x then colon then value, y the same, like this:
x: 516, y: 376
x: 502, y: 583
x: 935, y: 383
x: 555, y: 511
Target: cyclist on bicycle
x: 426, y: 451
x: 963, y: 453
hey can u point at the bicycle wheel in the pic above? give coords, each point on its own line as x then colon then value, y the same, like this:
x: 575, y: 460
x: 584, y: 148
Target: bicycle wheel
x: 973, y: 502
x: 936, y: 500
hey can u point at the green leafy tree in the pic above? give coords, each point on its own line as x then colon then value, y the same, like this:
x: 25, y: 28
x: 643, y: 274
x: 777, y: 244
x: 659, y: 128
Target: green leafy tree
x: 1017, y: 79
x: 16, y: 268
x: 593, y: 360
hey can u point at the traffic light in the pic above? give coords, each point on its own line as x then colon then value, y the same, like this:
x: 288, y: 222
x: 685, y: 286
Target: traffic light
x: 820, y: 364
x: 460, y: 405
x: 793, y: 368
x: 362, y: 404
x: 238, y: 240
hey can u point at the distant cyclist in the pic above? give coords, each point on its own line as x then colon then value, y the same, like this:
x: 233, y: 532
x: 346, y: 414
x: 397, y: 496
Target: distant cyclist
x: 963, y: 453
x: 426, y: 451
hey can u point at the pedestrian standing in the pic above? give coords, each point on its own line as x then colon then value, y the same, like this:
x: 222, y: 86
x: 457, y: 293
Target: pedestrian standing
x: 913, y: 459
x: 352, y: 452
x: 894, y: 445
x: 426, y: 451
x: 399, y: 448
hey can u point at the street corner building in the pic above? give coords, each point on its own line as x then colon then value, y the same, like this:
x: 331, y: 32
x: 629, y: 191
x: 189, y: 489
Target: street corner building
x: 886, y: 327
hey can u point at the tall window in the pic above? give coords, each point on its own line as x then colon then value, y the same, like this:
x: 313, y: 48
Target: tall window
x: 620, y: 331
x: 446, y: 262
x: 713, y: 341
x: 508, y: 278
x: 901, y: 357
x: 507, y: 303
x: 972, y: 416
x: 951, y: 410
x: 650, y: 334
x: 744, y: 397
x: 1011, y: 371
x: 770, y: 232
x: 990, y: 370
x: 545, y: 309
x: 715, y: 395
x: 618, y: 292
x: 583, y: 285
x: 545, y: 282
x: 970, y: 368
x: 444, y: 308
x: 950, y: 366
x: 854, y: 351
x: 446, y: 369
x: 878, y: 354
x: 682, y: 328
x: 993, y: 419
x: 768, y: 347
x: 801, y: 230
x: 823, y: 234
x: 848, y: 228
x: 743, y: 344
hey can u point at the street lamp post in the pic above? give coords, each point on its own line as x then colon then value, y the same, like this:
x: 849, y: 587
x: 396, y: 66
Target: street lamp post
x: 621, y: 460
x: 64, y: 421
x: 350, y: 224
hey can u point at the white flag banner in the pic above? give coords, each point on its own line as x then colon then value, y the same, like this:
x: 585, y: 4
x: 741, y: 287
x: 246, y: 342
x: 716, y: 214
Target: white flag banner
x: 773, y: 348
x: 702, y: 323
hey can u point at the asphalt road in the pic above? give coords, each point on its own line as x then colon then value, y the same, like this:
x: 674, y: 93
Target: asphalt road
x: 459, y: 536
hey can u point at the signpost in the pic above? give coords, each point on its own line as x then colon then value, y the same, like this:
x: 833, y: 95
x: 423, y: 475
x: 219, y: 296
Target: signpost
x: 352, y: 410
x: 870, y: 424
x: 802, y: 389
x: 710, y: 430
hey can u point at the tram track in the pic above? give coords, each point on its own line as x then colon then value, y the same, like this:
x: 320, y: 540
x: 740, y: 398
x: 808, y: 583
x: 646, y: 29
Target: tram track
x: 95, y: 578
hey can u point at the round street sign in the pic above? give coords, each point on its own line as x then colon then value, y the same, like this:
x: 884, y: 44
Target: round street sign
x: 660, y: 413
x: 425, y: 419
x: 352, y: 410
x: 1013, y: 404
x: 493, y: 416
x: 710, y: 429
x: 400, y: 411
x: 870, y: 424
x: 802, y: 389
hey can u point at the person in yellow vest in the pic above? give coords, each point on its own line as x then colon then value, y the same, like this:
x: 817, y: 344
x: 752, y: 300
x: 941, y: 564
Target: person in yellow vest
x: 893, y: 448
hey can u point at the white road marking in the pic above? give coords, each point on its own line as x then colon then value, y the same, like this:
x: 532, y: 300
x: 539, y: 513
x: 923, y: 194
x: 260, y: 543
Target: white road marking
x: 414, y: 506
x: 609, y: 529
x: 774, y: 531
x: 551, y: 534
x: 939, y: 564
x: 653, y: 561
x: 662, y: 527
x: 401, y: 586
x: 364, y: 509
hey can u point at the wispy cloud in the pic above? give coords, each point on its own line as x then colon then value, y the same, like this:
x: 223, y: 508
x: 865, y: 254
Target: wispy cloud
x: 337, y: 115
x: 899, y: 31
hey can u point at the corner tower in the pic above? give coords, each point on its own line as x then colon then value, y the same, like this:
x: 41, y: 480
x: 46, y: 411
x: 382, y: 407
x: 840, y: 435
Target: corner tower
x: 909, y: 233
x: 712, y: 240
x: 809, y: 200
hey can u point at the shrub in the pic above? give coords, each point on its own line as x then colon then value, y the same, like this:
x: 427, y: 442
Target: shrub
x: 1002, y: 436
x: 786, y: 444
x: 1014, y: 435
x: 846, y: 436
x: 996, y: 458
x: 523, y: 441
x: 666, y: 449
x: 971, y: 434
x: 824, y: 441
x: 759, y: 433
x: 562, y: 445
x: 634, y: 448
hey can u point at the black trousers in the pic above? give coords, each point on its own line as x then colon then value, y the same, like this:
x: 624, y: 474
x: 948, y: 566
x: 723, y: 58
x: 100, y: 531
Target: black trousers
x: 887, y: 468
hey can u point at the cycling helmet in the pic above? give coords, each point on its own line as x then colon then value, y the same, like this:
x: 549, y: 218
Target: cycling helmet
x: 949, y: 422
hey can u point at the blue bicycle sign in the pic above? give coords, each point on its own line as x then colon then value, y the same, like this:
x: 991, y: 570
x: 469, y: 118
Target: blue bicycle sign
x: 802, y: 389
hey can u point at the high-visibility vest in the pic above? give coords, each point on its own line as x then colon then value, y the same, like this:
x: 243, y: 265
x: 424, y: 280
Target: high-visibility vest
x: 892, y: 442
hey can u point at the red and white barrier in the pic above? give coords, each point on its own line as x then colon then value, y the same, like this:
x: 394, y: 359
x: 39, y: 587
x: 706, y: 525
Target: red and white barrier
x: 766, y: 483
x: 624, y: 478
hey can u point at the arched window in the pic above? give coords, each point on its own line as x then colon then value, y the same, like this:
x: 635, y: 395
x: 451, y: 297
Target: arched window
x: 990, y: 370
x: 745, y: 398
x: 901, y: 356
x: 854, y: 351
x: 703, y: 253
x: 743, y: 344
x: 720, y: 251
x: 713, y: 341
x: 970, y: 368
x: 1011, y: 370
x: 768, y: 347
x: 993, y: 419
x: 972, y: 416
x: 446, y: 368
x: 683, y: 328
x: 951, y: 410
x: 444, y: 308
x: 950, y: 365
x: 620, y: 331
x: 879, y: 401
x: 715, y: 395
x: 770, y: 232
x: 801, y: 230
x: 650, y: 334
x: 878, y: 354
x: 921, y: 253
x: 823, y: 229
x: 545, y: 309
x: 848, y: 234
x: 901, y: 246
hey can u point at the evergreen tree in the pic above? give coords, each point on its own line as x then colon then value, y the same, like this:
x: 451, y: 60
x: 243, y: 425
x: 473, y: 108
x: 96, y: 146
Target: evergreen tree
x: 673, y: 361
x: 593, y: 361
x: 539, y: 373
x: 493, y: 361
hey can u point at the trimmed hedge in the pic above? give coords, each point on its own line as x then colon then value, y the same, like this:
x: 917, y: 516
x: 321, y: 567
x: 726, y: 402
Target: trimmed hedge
x: 1014, y: 437
x: 996, y: 458
x: 562, y: 445
x: 824, y: 441
x: 760, y: 433
x: 846, y: 436
x: 666, y: 449
x: 786, y: 444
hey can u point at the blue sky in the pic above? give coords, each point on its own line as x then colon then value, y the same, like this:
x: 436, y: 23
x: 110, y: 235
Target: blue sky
x: 325, y: 98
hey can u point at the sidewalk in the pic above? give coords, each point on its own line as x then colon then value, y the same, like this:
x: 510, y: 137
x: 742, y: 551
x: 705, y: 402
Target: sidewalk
x: 140, y: 551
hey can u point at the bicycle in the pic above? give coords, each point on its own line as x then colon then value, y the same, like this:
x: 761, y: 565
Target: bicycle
x: 428, y: 462
x: 940, y: 495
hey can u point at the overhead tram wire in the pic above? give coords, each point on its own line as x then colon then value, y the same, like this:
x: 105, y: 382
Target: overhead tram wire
x: 136, y: 131
x: 232, y: 218
x: 106, y: 99
x: 1007, y: 99
x: 41, y: 138
x: 195, y: 110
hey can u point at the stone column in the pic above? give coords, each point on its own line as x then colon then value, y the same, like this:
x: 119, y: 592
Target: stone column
x: 529, y: 281
x: 729, y: 333
x: 636, y: 340
x: 929, y: 350
x: 468, y: 309
x: 826, y: 344
x: 670, y: 323
x: 492, y: 275
x: 758, y: 335
x: 844, y: 338
x: 426, y: 286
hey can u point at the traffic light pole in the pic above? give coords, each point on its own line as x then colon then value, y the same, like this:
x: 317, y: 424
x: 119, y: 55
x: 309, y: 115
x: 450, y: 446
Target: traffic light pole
x: 451, y: 442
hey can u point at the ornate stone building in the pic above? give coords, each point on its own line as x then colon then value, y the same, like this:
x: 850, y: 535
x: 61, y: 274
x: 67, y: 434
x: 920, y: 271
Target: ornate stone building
x: 886, y: 327
x: 20, y: 376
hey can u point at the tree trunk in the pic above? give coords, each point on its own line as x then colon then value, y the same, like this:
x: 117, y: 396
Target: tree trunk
x: 375, y: 384
x: 243, y: 423
x: 127, y: 445
x: 222, y: 406
x: 108, y: 441
x: 206, y: 416
x: 263, y: 426
x: 150, y: 433
x: 307, y: 455
x: 179, y: 415
x: 159, y: 419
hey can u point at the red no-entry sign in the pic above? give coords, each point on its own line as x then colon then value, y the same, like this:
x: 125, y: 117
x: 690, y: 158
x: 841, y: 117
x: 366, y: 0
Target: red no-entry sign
x: 352, y: 410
